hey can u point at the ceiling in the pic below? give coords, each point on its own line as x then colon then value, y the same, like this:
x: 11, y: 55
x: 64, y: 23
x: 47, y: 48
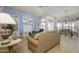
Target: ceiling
x: 56, y: 11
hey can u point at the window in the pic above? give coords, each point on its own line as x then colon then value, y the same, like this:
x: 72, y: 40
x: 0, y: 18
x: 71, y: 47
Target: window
x: 59, y: 26
x: 42, y: 23
x: 51, y: 26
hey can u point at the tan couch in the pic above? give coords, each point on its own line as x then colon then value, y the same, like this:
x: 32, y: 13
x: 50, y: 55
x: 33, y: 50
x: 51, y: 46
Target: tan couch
x: 45, y: 41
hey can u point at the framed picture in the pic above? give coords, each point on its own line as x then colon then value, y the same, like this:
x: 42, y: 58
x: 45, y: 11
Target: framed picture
x: 16, y: 18
x: 27, y: 20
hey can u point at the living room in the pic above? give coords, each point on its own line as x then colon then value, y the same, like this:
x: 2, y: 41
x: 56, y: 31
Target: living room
x: 39, y: 29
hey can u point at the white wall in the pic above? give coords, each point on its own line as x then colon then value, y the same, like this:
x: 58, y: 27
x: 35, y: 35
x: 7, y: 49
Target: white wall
x: 51, y: 26
x: 76, y: 27
x: 27, y: 29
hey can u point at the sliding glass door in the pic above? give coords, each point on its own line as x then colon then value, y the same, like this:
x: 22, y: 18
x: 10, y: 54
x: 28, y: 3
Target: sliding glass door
x: 65, y: 25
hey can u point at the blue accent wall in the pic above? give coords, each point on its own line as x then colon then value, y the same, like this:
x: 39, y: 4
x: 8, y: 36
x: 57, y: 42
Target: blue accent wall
x: 20, y: 14
x: 39, y: 22
x: 33, y: 23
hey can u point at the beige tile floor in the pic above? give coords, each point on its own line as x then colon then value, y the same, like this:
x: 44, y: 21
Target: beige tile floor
x: 67, y: 45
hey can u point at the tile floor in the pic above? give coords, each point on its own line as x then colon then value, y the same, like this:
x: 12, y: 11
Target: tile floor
x: 67, y: 45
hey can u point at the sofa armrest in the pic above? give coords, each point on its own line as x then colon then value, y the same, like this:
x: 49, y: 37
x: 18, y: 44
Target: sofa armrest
x: 33, y: 41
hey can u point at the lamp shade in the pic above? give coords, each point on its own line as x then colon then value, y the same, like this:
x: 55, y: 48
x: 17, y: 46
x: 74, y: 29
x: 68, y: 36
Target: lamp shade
x: 6, y: 19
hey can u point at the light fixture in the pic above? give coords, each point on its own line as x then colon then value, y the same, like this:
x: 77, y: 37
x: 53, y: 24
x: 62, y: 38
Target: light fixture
x: 6, y: 19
